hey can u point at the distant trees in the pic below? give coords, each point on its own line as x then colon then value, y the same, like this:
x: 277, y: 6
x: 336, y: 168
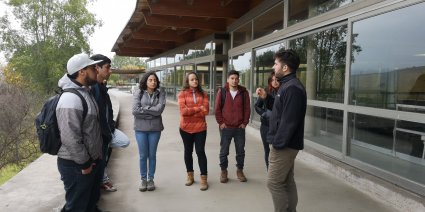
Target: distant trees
x: 37, y: 39
x: 49, y: 33
x: 18, y: 143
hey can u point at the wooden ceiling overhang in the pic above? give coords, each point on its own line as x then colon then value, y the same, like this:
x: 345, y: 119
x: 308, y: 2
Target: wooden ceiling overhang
x: 157, y: 26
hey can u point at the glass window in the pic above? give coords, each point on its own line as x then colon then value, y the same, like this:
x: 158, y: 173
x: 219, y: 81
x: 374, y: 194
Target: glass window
x: 392, y: 145
x: 163, y: 61
x: 242, y: 63
x: 204, y: 74
x: 322, y: 68
x: 217, y: 47
x: 219, y: 65
x: 264, y: 61
x: 324, y: 126
x: 157, y: 62
x: 242, y: 35
x: 168, y: 82
x: 300, y: 10
x: 170, y: 59
x: 269, y: 22
x: 203, y: 71
x: 180, y: 74
x: 205, y: 51
x: 388, y: 68
x: 178, y: 57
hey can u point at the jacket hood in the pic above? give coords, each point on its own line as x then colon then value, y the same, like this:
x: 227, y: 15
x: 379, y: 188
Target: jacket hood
x: 66, y: 82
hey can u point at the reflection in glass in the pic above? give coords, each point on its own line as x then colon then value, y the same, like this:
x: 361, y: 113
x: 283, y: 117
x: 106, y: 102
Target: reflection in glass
x: 167, y: 82
x: 300, y: 10
x: 390, y: 68
x: 322, y: 67
x: 180, y: 74
x: 218, y: 74
x: 269, y: 22
x: 198, y: 51
x: 264, y: 61
x: 242, y: 63
x: 324, y: 126
x: 392, y: 145
x: 170, y: 59
x: 217, y: 47
x: 203, y: 71
x: 242, y: 35
x: 178, y: 57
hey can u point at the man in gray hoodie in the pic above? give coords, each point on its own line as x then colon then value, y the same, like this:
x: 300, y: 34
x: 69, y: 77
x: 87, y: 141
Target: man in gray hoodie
x: 81, y: 148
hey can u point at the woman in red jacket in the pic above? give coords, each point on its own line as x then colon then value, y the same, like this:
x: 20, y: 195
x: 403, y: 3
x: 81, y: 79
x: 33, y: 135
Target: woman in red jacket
x: 194, y: 106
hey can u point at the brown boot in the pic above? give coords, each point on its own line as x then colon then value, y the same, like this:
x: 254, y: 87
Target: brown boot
x: 241, y: 175
x: 190, y: 179
x: 204, y: 183
x: 223, y: 176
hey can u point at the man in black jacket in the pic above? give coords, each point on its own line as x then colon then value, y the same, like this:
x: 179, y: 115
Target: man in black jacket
x: 286, y: 132
x: 107, y: 123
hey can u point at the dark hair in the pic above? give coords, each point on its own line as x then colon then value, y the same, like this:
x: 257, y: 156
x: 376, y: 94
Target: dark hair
x: 103, y: 58
x: 232, y: 72
x: 186, y: 82
x: 143, y: 82
x: 288, y: 57
x: 270, y: 88
x: 74, y: 75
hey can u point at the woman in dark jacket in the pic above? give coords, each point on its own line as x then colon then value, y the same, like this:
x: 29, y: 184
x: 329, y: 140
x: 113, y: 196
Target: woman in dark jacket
x: 263, y: 107
x: 148, y: 105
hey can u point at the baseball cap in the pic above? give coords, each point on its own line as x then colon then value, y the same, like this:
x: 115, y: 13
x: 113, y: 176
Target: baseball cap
x: 78, y: 62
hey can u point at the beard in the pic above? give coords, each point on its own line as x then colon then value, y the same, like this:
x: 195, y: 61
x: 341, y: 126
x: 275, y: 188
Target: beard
x: 89, y: 81
x: 279, y: 74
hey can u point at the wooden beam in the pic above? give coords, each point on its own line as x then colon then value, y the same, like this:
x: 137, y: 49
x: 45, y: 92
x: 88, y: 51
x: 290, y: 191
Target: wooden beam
x: 184, y: 22
x: 145, y: 50
x: 134, y: 54
x: 164, y: 36
x: 147, y: 44
x: 204, y: 8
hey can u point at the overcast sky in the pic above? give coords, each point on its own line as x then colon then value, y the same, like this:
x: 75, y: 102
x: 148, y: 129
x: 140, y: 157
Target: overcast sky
x: 114, y: 15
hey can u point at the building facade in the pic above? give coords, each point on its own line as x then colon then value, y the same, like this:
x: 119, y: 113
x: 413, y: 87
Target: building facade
x: 362, y: 63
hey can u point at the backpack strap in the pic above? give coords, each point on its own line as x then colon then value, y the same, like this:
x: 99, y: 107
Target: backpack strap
x: 84, y: 102
x: 223, y: 97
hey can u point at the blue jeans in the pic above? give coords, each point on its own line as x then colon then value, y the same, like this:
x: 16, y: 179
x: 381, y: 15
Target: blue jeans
x: 148, y: 143
x: 226, y: 137
x: 81, y: 191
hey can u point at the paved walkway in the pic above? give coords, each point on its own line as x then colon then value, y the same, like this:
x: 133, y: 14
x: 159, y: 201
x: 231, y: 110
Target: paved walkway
x: 38, y: 188
x: 318, y: 191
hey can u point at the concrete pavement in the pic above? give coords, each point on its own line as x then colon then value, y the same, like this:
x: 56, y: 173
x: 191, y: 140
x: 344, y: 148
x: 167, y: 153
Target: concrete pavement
x: 318, y: 191
x: 38, y: 188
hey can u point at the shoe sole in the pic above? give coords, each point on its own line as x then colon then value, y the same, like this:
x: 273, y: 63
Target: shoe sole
x: 151, y: 189
x: 142, y: 189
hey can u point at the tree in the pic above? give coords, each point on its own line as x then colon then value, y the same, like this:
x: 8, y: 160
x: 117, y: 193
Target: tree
x: 50, y: 32
x: 18, y: 143
x: 121, y: 62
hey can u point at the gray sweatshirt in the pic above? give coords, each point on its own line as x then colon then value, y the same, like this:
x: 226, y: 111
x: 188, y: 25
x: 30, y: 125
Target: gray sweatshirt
x: 81, y: 141
x: 147, y: 110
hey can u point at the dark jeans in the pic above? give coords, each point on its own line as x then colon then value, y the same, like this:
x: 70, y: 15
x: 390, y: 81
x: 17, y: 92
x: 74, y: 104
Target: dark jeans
x: 263, y: 132
x: 197, y: 139
x: 239, y: 138
x: 81, y: 191
x: 106, y: 154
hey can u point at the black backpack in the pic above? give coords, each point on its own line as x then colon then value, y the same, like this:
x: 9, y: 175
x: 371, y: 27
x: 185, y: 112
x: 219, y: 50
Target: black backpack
x: 47, y: 125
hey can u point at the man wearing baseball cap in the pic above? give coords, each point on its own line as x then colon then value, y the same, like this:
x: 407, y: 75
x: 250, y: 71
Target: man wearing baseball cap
x: 81, y: 148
